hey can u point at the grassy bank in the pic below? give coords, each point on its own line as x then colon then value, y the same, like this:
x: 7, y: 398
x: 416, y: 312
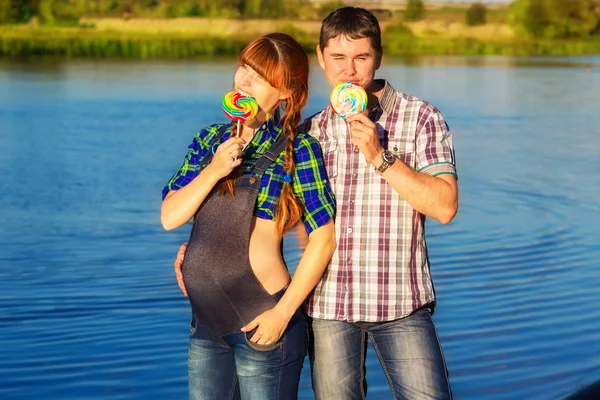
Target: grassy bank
x: 191, y: 38
x: 76, y: 43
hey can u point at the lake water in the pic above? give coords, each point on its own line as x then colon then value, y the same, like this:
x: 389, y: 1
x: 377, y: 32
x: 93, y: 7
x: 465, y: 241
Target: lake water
x: 89, y: 304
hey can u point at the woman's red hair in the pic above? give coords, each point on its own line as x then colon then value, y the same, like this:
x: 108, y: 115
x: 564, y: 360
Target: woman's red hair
x: 282, y: 62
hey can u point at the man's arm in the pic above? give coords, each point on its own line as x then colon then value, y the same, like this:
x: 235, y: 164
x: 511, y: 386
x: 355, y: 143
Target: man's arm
x: 434, y: 196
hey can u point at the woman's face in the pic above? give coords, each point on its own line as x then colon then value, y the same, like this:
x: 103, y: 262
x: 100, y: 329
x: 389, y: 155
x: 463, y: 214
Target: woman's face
x: 249, y: 83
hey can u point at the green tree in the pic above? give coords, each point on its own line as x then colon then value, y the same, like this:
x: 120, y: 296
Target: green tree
x: 328, y: 7
x: 415, y: 10
x: 476, y: 14
x: 17, y: 11
x: 554, y: 19
x: 596, y: 12
x: 8, y: 12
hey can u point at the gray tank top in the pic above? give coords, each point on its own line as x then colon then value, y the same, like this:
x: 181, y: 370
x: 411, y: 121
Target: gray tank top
x: 223, y: 291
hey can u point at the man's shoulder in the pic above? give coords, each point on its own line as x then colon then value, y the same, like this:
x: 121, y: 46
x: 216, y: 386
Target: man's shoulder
x: 408, y: 101
x: 312, y: 122
x: 405, y: 101
x: 304, y: 140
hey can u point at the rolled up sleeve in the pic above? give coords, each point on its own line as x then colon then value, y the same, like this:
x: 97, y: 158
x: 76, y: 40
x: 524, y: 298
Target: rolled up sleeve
x: 311, y: 184
x: 434, y: 148
x: 191, y: 163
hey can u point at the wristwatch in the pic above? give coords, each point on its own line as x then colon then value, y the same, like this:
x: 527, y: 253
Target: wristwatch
x: 388, y: 159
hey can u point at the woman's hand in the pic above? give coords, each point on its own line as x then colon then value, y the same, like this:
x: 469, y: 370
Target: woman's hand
x: 271, y: 325
x: 227, y: 157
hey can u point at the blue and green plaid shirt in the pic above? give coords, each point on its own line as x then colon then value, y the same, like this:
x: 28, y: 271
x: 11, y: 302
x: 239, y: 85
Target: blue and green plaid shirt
x: 309, y: 181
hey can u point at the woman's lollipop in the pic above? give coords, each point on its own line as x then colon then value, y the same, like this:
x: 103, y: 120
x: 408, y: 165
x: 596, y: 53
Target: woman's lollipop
x: 348, y: 98
x: 239, y: 108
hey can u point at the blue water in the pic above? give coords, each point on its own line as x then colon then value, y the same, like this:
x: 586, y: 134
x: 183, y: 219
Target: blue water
x: 89, y: 304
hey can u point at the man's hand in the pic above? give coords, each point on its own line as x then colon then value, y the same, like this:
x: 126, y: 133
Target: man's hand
x: 364, y: 136
x: 177, y: 264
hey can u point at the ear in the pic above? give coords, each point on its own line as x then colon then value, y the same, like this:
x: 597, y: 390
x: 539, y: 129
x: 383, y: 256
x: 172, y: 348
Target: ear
x: 378, y: 63
x: 320, y: 57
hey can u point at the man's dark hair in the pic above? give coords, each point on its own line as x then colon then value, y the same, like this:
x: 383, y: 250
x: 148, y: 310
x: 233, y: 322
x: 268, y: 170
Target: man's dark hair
x: 353, y: 22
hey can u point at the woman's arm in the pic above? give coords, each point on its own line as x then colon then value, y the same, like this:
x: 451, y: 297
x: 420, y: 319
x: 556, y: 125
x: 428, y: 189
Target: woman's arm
x: 312, y: 187
x: 316, y: 256
x: 179, y: 206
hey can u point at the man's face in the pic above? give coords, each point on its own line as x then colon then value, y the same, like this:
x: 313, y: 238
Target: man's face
x: 345, y: 59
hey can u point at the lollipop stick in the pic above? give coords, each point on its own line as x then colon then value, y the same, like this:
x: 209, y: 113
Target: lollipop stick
x: 238, y: 134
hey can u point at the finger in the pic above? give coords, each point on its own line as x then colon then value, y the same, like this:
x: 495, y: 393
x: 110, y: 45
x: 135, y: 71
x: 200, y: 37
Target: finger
x: 251, y: 325
x: 236, y: 153
x: 182, y: 287
x: 234, y: 142
x: 359, y: 136
x: 183, y: 290
x: 360, y: 127
x: 264, y: 341
x: 183, y: 247
x: 360, y: 117
x: 235, y: 162
x: 179, y: 276
x: 229, y: 144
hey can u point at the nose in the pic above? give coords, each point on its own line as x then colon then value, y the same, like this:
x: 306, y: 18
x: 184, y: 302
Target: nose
x: 350, y: 67
x: 245, y: 79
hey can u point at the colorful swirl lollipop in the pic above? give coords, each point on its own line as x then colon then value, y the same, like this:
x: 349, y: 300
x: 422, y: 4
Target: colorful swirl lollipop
x: 348, y: 98
x: 239, y: 107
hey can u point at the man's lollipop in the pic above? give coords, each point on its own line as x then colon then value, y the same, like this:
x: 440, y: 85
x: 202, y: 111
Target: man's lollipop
x: 239, y: 108
x: 348, y: 98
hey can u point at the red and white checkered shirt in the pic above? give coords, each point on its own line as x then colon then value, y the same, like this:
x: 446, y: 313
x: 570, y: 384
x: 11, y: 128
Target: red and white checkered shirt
x: 380, y: 269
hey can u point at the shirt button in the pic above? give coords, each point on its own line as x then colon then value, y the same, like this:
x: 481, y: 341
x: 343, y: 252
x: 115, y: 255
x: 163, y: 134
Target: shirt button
x: 354, y: 175
x: 351, y: 202
x: 348, y: 261
x: 356, y: 149
x: 349, y: 230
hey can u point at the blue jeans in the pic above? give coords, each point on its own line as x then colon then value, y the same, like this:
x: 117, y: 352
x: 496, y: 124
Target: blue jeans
x: 235, y: 368
x: 408, y: 349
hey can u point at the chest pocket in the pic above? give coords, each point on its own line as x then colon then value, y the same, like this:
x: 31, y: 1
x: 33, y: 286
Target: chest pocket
x: 330, y: 158
x: 405, y: 150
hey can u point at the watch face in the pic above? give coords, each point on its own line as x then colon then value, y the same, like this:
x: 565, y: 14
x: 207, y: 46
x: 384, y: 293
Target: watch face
x: 388, y: 157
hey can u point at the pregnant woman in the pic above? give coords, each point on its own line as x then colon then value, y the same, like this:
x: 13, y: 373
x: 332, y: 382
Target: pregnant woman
x: 245, y: 188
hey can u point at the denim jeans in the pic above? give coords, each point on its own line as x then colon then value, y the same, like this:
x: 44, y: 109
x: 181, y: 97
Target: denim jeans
x: 408, y: 349
x: 235, y: 368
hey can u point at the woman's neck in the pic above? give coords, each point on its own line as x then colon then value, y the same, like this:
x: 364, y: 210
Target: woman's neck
x: 249, y: 128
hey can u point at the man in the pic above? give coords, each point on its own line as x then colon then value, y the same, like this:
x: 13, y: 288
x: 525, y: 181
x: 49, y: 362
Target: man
x: 389, y: 168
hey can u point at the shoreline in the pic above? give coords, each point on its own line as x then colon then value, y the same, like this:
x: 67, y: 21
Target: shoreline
x: 189, y: 38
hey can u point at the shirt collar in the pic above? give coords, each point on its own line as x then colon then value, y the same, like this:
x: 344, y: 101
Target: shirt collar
x: 270, y: 129
x: 387, y: 99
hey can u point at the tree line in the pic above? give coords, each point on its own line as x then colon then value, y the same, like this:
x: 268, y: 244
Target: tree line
x: 556, y: 19
x: 543, y: 19
x: 64, y: 11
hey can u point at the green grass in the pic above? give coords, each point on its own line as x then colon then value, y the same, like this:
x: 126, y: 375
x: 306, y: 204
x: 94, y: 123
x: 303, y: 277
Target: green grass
x: 90, y: 43
x: 469, y: 46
